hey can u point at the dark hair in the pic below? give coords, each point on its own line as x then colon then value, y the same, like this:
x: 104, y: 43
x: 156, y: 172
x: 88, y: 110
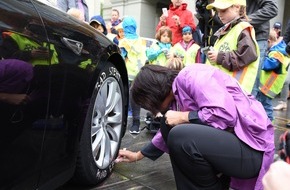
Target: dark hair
x: 152, y: 85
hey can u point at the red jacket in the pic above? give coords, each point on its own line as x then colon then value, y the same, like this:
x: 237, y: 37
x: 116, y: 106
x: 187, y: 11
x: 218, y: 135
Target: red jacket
x: 186, y: 19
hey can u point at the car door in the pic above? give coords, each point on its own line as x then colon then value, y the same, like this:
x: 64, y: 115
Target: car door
x: 24, y: 102
x: 68, y: 85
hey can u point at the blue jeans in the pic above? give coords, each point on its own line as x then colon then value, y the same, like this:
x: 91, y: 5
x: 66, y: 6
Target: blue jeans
x: 262, y: 47
x: 267, y: 104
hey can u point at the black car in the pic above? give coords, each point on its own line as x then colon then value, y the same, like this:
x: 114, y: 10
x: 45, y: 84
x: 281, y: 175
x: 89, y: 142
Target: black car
x: 63, y: 98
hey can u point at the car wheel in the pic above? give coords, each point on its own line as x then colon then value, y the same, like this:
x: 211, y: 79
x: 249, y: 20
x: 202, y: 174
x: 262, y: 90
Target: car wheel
x: 104, y: 126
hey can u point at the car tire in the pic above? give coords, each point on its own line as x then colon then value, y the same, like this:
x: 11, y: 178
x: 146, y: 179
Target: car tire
x: 102, y: 133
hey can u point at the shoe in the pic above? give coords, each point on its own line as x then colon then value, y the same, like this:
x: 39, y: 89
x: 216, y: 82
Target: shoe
x: 288, y: 125
x: 281, y: 106
x: 134, y: 129
x: 149, y: 117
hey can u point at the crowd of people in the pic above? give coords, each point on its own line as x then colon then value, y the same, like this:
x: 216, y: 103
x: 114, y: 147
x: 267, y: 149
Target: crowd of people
x: 218, y: 132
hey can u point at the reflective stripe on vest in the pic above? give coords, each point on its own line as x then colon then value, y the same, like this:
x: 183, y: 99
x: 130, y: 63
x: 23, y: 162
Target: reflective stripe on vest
x: 266, y: 88
x: 271, y: 83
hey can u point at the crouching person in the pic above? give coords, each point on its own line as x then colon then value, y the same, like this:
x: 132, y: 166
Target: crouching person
x: 213, y: 127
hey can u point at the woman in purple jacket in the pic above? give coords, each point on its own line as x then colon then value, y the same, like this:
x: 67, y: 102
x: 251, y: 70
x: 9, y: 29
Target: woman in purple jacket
x: 216, y: 128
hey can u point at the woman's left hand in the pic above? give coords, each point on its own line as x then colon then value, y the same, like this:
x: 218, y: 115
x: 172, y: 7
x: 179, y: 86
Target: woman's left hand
x: 128, y: 156
x: 176, y: 117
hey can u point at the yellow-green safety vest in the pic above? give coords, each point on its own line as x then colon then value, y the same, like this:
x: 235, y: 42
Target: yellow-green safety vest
x: 26, y: 44
x: 228, y: 42
x: 136, y: 55
x: 161, y: 58
x: 271, y: 83
x: 189, y: 55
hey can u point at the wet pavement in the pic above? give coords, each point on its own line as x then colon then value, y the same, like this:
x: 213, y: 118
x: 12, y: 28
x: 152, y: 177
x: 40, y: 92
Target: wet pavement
x: 156, y: 175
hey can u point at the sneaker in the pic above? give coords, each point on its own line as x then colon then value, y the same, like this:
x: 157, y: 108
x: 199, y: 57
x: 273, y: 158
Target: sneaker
x: 281, y: 106
x: 134, y: 129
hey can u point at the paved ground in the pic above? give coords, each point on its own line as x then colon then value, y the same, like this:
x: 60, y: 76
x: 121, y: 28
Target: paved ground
x: 156, y: 175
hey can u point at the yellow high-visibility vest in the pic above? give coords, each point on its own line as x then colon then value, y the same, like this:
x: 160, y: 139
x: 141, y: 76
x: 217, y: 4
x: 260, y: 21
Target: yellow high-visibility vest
x: 228, y: 42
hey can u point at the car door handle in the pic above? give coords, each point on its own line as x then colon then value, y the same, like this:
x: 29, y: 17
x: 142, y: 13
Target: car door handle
x: 74, y: 45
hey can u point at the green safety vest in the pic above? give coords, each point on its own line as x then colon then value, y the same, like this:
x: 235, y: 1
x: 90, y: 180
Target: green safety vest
x: 271, y: 83
x: 228, y: 42
x: 189, y: 55
x: 136, y: 55
x: 161, y: 58
x: 26, y: 44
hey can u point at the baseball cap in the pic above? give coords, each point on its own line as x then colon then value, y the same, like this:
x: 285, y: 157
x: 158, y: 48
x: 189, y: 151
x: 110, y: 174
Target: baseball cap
x: 224, y: 4
x: 277, y: 25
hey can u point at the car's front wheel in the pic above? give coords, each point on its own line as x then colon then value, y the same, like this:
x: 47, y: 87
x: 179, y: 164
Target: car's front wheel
x: 102, y: 133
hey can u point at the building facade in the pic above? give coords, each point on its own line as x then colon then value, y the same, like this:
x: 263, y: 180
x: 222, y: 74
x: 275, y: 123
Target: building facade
x: 147, y: 12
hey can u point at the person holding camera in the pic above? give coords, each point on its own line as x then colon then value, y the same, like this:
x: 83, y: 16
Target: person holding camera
x: 178, y: 16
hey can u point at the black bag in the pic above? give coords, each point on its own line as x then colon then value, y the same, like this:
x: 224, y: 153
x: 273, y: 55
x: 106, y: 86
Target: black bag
x: 152, y: 123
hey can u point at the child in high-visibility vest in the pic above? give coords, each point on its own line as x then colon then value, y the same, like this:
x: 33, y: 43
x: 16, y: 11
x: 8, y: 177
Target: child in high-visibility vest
x: 158, y: 53
x: 133, y: 49
x: 273, y: 73
x: 187, y: 49
x: 236, y: 51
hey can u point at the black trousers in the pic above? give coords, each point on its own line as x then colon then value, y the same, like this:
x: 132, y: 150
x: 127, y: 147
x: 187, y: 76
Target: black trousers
x: 198, y: 153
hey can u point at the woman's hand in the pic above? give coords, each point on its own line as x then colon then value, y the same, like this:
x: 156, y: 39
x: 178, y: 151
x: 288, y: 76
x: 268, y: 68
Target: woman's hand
x: 176, y: 117
x: 128, y: 156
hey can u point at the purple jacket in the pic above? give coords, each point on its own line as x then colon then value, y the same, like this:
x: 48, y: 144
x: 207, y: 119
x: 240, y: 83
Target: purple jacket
x: 222, y: 103
x: 15, y: 75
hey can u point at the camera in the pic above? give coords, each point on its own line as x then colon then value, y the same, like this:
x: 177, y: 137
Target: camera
x: 206, y: 49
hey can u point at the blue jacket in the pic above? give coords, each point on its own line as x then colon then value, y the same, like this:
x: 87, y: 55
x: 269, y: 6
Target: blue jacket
x: 99, y: 19
x: 272, y: 63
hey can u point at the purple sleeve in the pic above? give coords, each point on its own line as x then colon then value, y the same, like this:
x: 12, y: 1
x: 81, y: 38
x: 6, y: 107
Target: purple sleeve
x: 159, y: 143
x: 214, y: 103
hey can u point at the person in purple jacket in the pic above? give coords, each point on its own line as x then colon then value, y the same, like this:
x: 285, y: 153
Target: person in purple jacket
x: 215, y: 127
x: 15, y: 77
